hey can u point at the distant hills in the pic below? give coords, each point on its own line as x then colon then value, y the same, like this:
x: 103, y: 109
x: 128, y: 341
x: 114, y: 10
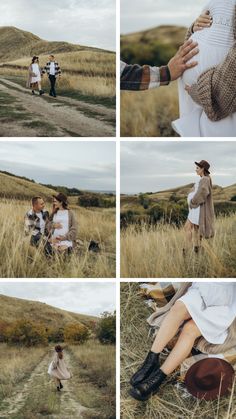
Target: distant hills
x: 16, y: 43
x: 153, y: 46
x: 20, y: 187
x: 17, y: 308
x: 219, y: 194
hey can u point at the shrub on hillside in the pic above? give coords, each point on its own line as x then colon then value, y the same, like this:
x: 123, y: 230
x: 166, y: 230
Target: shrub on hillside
x: 106, y: 329
x: 56, y: 335
x: 89, y: 200
x: 233, y: 198
x: 26, y: 333
x: 76, y: 333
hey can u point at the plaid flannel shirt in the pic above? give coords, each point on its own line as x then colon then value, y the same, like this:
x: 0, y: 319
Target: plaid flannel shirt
x: 46, y: 69
x: 136, y: 77
x: 32, y: 222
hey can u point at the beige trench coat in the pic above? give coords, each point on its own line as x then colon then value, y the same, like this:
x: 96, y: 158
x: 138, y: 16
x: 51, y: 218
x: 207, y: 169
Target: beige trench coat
x: 155, y: 320
x: 58, y: 369
x: 203, y: 198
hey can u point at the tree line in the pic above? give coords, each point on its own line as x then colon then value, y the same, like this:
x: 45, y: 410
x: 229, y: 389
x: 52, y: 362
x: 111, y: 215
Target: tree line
x: 24, y: 332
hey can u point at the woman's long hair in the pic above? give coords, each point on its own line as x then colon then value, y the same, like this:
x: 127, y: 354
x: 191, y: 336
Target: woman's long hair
x: 34, y: 59
x: 54, y: 209
x: 207, y: 175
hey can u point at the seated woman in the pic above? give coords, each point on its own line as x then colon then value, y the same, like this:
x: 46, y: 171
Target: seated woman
x: 210, y: 108
x: 199, y: 309
x: 62, y: 225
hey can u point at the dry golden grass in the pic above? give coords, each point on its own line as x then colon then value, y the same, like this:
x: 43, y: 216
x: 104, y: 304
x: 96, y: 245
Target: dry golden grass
x: 19, y: 259
x: 89, y: 72
x: 168, y: 403
x: 156, y: 252
x: 16, y: 364
x: 149, y: 113
x: 95, y: 367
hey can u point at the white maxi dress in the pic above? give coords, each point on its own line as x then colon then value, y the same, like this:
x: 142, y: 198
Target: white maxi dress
x: 214, y: 44
x: 212, y: 306
x: 194, y: 213
x: 36, y: 71
x: 62, y: 217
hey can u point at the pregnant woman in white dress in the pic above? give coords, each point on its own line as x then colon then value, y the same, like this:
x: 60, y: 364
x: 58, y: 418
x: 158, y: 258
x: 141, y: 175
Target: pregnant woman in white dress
x: 62, y: 225
x: 34, y: 77
x: 200, y: 222
x: 214, y: 43
x: 205, y: 310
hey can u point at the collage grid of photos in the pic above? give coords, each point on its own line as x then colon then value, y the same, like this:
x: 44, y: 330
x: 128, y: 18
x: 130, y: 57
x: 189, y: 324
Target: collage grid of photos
x: 107, y: 214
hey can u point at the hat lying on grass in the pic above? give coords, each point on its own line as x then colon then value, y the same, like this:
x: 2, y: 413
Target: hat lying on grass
x: 209, y: 378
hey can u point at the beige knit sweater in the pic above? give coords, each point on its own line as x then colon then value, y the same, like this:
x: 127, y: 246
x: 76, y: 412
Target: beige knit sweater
x: 215, y: 89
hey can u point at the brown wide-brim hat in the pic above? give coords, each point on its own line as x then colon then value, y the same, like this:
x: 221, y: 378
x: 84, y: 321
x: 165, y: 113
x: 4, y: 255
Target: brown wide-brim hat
x: 204, y: 165
x: 210, y: 378
x: 61, y: 198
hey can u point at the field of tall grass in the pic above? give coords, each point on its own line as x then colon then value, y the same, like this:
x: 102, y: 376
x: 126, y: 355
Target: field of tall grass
x: 16, y: 364
x: 149, y: 113
x: 88, y: 72
x: 96, y: 365
x: 169, y: 402
x: 19, y: 259
x: 156, y: 252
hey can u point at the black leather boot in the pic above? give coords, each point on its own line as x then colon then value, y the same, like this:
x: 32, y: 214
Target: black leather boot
x: 148, y: 387
x: 150, y: 364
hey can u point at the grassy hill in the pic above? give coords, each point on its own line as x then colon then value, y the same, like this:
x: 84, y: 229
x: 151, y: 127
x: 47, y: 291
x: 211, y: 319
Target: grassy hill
x: 18, y: 188
x: 153, y: 46
x: 16, y: 43
x: 15, y: 308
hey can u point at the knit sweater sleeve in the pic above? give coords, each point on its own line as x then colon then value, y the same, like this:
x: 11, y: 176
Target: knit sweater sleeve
x: 215, y: 89
x: 202, y: 193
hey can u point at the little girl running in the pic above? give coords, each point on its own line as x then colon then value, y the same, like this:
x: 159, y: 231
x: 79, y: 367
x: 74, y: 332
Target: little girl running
x: 58, y: 369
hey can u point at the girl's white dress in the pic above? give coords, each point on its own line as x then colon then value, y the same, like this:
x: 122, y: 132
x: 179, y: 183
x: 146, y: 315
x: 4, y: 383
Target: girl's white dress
x: 214, y: 44
x: 194, y: 213
x: 62, y: 217
x: 36, y: 71
x: 212, y: 306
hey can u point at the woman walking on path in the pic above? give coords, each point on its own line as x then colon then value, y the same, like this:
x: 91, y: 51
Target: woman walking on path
x: 58, y: 369
x: 200, y: 222
x: 34, y: 77
x: 198, y: 310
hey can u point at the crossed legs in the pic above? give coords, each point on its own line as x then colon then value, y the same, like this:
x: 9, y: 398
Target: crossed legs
x: 170, y: 325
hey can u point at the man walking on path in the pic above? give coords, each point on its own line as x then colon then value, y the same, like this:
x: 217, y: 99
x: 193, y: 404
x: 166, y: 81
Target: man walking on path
x: 53, y: 70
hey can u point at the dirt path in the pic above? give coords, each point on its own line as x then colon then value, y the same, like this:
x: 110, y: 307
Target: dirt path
x: 38, y: 387
x: 66, y: 116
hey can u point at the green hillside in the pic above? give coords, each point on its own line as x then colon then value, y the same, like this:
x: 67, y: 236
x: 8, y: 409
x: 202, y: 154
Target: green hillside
x: 153, y: 46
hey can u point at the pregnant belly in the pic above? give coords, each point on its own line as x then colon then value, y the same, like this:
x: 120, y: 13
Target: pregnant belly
x: 207, y: 57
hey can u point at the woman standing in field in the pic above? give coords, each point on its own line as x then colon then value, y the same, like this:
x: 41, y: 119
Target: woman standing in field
x: 207, y: 97
x: 203, y: 311
x: 200, y: 222
x: 58, y: 369
x: 62, y: 225
x: 34, y: 77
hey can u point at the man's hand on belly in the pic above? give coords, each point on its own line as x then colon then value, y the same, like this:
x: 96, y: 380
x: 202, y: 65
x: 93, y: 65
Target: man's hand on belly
x: 180, y: 62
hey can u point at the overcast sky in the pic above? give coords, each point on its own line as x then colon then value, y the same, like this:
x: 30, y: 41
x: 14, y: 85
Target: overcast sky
x: 138, y: 15
x: 80, y: 164
x: 84, y: 298
x: 155, y: 166
x: 86, y: 22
